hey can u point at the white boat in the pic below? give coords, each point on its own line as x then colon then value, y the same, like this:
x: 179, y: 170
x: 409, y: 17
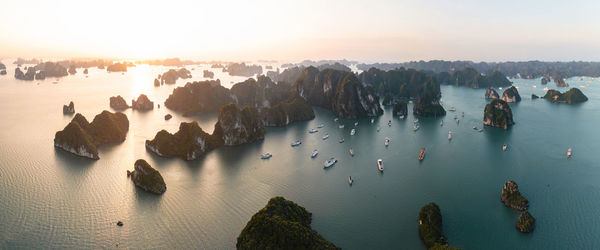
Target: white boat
x: 380, y: 165
x: 320, y: 125
x: 449, y: 135
x: 441, y: 123
x: 416, y: 127
x: 372, y: 120
x: 351, y: 152
x: 296, y: 143
x: 325, y: 136
x: 355, y: 124
x: 452, y: 109
x: 569, y: 151
x: 352, y: 132
x: 335, y: 119
x: 350, y: 181
x: 312, y: 131
x: 475, y: 128
x: 314, y: 154
x: 266, y: 156
x: 504, y: 147
x: 401, y: 117
x: 390, y: 123
x: 416, y: 121
x: 329, y: 163
x: 341, y: 126
x: 341, y: 140
x: 387, y: 142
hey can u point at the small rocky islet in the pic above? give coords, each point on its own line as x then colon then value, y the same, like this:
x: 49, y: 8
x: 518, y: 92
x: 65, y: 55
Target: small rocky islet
x: 498, y: 114
x: 142, y: 103
x: 572, y: 96
x: 147, y: 178
x: 511, y: 95
x: 69, y: 109
x: 118, y: 103
x: 512, y: 198
x: 82, y: 138
x: 431, y: 229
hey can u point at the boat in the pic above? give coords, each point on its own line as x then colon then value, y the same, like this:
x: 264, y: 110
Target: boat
x: 380, y: 165
x: 351, y: 152
x: 457, y: 121
x: 320, y: 125
x: 296, y: 143
x: 452, y: 109
x: 353, y: 131
x: 312, y: 131
x: 449, y: 135
x: 475, y: 128
x: 441, y: 123
x: 422, y: 154
x: 416, y: 127
x: 341, y: 140
x: 387, y: 142
x: 314, y: 154
x: 390, y: 123
x: 329, y: 163
x: 266, y: 156
x: 416, y: 121
x: 504, y: 147
x: 325, y: 136
x: 372, y: 120
x: 401, y: 117
x: 569, y: 151
x: 341, y: 126
x: 355, y: 124
x: 335, y: 119
x: 350, y: 181
x: 480, y: 130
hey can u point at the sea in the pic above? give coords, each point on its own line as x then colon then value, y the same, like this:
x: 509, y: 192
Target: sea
x: 53, y: 199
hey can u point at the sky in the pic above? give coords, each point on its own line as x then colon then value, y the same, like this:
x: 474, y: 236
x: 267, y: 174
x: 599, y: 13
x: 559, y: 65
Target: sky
x: 367, y: 31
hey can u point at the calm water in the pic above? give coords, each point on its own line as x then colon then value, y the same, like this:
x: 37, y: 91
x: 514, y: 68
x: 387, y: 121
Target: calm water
x: 56, y: 200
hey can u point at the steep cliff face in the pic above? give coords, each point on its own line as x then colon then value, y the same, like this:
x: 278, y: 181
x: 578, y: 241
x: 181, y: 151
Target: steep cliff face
x: 403, y: 83
x: 236, y: 126
x: 574, y: 95
x: 498, y: 114
x: 400, y: 109
x: 260, y: 93
x: 52, y: 69
x: 512, y: 198
x: 142, y: 103
x: 427, y: 103
x: 69, y: 109
x: 286, y: 112
x: 199, y: 97
x: 81, y: 137
x: 189, y: 143
x: 148, y: 178
x: 171, y: 76
x: 339, y: 91
x: 511, y: 95
x: 471, y: 78
x: 490, y: 93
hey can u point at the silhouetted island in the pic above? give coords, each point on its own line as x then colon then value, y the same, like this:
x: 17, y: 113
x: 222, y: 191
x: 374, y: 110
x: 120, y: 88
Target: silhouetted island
x: 400, y: 109
x: 147, y: 178
x: 171, y: 76
x: 498, y: 114
x: 490, y: 93
x: 241, y: 69
x: 142, y: 103
x: 574, y: 95
x: 208, y: 74
x: 118, y: 103
x: 117, y: 67
x: 70, y: 109
x: 281, y: 224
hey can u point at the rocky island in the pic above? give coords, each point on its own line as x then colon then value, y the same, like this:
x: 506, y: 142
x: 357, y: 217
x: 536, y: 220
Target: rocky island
x: 142, y: 103
x: 29, y: 76
x: 512, y: 198
x: 118, y: 103
x: 526, y: 222
x: 51, y: 69
x: 189, y: 143
x: 147, y: 178
x: 511, y: 95
x: 545, y: 80
x: 281, y: 224
x: 208, y: 74
x: 241, y: 69
x: 171, y: 76
x: 490, y: 93
x: 560, y: 81
x: 400, y: 109
x: 431, y: 230
x: 198, y: 97
x: 574, y: 95
x: 82, y: 138
x: 117, y: 67
x: 70, y: 109
x: 498, y: 114
x: 235, y: 126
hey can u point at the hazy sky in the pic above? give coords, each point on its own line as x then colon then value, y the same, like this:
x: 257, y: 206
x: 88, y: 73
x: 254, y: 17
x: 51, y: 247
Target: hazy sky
x: 384, y: 31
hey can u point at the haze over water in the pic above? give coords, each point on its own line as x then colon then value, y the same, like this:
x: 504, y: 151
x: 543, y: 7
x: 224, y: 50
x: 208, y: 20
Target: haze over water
x: 53, y: 199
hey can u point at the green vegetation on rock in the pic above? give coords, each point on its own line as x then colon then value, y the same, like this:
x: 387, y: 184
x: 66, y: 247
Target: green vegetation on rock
x: 512, y: 198
x: 498, y: 114
x: 400, y: 108
x: 526, y: 222
x: 235, y: 126
x: 188, y: 143
x: 430, y: 227
x: 286, y: 112
x: 148, y: 178
x: 281, y: 224
x: 574, y: 95
x: 199, y: 97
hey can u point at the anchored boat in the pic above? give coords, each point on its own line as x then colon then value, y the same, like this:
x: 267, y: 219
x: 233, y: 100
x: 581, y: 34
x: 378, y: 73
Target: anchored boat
x: 422, y: 154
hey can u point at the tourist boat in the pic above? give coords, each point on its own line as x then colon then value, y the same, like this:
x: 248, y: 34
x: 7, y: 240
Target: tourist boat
x: 449, y: 135
x: 341, y: 140
x: 390, y: 123
x: 475, y: 128
x: 387, y: 141
x: 266, y: 156
x: 320, y: 125
x: 329, y: 163
x: 416, y: 127
x: 352, y: 132
x: 350, y: 181
x: 416, y: 121
x: 296, y: 143
x: 504, y: 147
x: 452, y: 109
x: 351, y: 152
x: 380, y: 165
x: 500, y: 88
x: 355, y: 124
x: 325, y: 136
x: 314, y: 154
x: 569, y: 151
x: 341, y: 126
x: 441, y: 123
x: 335, y: 119
x: 312, y: 131
x: 372, y: 120
x: 422, y: 154
x: 401, y: 117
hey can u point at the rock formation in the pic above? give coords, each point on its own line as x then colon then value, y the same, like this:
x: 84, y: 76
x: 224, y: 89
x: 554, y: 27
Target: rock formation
x: 82, y: 138
x: 156, y: 82
x: 526, y: 222
x: 168, y: 117
x: 241, y: 69
x: 118, y: 103
x: 189, y: 143
x: 52, y: 69
x: 560, y: 82
x: 431, y: 230
x: 199, y: 97
x: 534, y: 96
x: 2, y: 72
x: 148, y: 178
x: 69, y: 109
x: 40, y: 75
x: 117, y: 67
x: 388, y: 99
x: 574, y: 95
x: 293, y: 109
x: 142, y: 103
x: 490, y: 93
x: 171, y: 76
x: 72, y: 70
x: 208, y: 74
x: 29, y: 76
x: 281, y: 224
x: 236, y: 126
x: 511, y: 95
x: 498, y: 114
x: 85, y: 71
x: 400, y: 109
x: 512, y: 198
x: 545, y: 80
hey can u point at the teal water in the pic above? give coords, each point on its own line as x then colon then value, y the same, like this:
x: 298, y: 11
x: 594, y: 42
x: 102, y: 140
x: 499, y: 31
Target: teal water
x: 52, y: 199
